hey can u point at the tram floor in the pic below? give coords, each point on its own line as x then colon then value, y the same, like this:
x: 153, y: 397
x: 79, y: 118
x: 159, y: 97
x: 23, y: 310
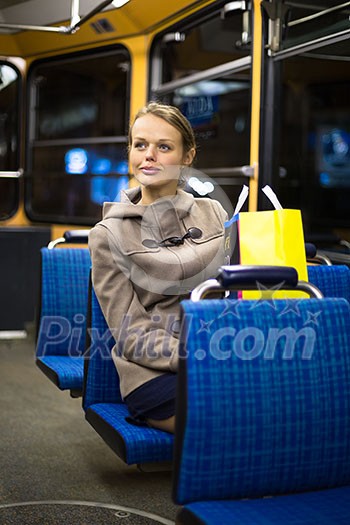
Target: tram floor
x: 55, y: 470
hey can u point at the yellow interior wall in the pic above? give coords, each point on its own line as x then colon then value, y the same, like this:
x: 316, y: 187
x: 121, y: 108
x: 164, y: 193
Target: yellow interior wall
x: 9, y: 46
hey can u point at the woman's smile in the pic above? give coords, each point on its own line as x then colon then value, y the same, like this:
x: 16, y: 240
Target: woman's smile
x: 149, y: 170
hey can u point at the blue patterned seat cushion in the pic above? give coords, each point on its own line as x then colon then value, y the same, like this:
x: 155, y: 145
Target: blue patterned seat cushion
x: 326, y: 507
x: 66, y: 372
x: 134, y: 444
x: 267, y: 398
x: 101, y: 377
x: 64, y: 300
x: 333, y: 281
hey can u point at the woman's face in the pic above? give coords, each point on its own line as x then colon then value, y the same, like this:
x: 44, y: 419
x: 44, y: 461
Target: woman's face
x: 157, y: 153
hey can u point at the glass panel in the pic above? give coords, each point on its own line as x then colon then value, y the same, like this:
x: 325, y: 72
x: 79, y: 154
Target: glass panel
x: 78, y: 149
x: 9, y: 139
x: 218, y: 108
x: 219, y: 111
x: 213, y: 42
x: 89, y: 95
x: 315, y: 126
x: 71, y: 183
x: 306, y: 22
x: 9, y: 197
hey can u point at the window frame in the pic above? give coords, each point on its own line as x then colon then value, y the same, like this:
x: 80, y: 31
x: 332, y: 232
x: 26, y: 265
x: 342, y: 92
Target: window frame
x: 31, y: 122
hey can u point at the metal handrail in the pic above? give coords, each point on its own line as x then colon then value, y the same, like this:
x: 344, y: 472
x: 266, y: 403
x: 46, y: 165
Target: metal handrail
x: 53, y: 243
x: 11, y: 174
x: 236, y: 171
x: 234, y: 66
x: 318, y: 14
x: 213, y: 285
x: 321, y: 258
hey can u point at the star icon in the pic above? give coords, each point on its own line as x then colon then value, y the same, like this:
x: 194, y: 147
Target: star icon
x: 292, y: 305
x: 312, y: 317
x: 267, y: 295
x: 205, y: 326
x: 231, y: 308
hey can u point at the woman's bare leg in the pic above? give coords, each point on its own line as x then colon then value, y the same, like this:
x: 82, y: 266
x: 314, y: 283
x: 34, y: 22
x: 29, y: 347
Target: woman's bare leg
x: 163, y: 424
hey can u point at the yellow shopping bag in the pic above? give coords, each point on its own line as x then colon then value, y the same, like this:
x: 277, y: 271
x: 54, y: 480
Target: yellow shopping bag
x: 269, y: 238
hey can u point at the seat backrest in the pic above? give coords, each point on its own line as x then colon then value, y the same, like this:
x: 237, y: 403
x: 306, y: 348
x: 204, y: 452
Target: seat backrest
x: 333, y: 281
x: 101, y: 380
x: 263, y: 398
x: 64, y: 299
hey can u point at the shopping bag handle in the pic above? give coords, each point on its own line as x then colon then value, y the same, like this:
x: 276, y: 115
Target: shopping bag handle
x: 270, y: 194
x: 241, y: 277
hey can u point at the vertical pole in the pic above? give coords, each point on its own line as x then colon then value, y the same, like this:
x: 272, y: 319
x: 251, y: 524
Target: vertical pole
x: 139, y: 47
x: 255, y: 106
x: 74, y: 13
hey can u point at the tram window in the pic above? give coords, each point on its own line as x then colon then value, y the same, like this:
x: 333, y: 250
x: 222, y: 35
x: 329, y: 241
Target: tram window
x: 315, y: 126
x: 195, y: 46
x: 306, y: 21
x: 333, y: 156
x: 9, y: 197
x: 74, y: 181
x: 78, y: 151
x: 218, y: 104
x: 89, y: 95
x: 9, y: 139
x: 219, y: 113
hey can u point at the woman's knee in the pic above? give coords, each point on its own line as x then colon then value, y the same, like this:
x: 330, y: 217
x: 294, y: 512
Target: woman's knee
x: 168, y: 425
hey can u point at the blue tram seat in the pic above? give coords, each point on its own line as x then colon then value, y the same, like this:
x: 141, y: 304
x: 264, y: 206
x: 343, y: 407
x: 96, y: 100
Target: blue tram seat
x: 103, y: 405
x: 333, y: 281
x: 263, y: 413
x: 62, y: 325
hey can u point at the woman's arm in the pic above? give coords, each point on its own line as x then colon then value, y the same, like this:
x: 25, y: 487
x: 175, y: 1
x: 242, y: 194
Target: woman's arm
x: 141, y: 337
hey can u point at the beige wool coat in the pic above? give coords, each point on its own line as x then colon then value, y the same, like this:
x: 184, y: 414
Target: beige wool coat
x: 139, y: 288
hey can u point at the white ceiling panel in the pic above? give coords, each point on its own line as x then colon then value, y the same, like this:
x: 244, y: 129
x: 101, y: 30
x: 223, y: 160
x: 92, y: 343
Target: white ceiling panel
x: 42, y: 12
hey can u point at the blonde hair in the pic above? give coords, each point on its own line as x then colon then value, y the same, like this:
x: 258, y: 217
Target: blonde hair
x: 174, y: 117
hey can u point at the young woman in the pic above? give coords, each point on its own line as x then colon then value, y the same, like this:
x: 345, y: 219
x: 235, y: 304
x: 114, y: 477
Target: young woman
x: 148, y: 253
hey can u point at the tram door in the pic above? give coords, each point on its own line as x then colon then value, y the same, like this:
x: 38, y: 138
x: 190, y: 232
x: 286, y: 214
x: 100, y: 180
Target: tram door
x: 306, y: 141
x: 203, y: 66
